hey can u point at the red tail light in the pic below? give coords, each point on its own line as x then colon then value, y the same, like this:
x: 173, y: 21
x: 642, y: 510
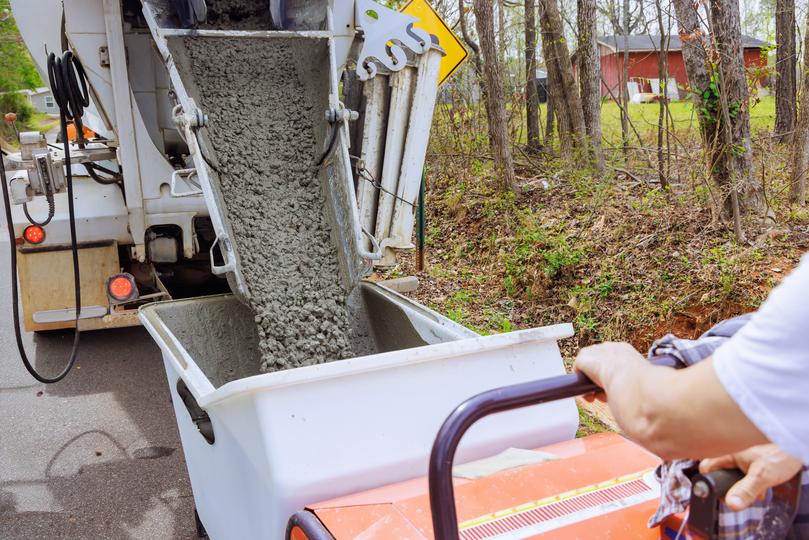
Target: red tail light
x: 34, y: 234
x: 122, y: 288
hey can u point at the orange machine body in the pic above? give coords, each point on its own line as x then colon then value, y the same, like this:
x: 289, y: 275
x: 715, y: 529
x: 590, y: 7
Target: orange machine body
x: 87, y: 132
x: 600, y: 486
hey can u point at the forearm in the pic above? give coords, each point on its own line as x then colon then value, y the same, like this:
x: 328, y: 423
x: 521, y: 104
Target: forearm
x: 673, y: 413
x: 640, y: 399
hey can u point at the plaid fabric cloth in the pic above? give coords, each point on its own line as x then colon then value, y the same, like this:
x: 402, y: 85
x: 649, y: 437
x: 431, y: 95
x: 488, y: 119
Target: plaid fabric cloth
x: 675, y: 491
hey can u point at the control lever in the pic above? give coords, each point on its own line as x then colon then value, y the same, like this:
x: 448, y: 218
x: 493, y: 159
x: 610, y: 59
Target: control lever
x: 708, y: 490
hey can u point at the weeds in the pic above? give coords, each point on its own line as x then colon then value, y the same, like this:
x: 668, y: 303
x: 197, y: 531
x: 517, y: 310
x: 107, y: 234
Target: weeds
x: 615, y: 254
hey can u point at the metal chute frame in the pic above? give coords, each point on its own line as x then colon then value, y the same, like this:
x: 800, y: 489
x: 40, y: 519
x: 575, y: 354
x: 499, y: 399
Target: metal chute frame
x: 336, y: 176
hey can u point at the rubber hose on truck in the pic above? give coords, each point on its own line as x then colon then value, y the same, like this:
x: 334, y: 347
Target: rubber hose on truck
x: 69, y: 86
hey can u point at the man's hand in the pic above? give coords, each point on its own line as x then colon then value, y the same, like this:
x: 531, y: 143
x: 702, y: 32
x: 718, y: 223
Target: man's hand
x: 600, y: 362
x: 766, y: 466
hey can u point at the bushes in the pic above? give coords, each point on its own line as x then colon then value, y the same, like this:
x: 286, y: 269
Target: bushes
x: 16, y: 103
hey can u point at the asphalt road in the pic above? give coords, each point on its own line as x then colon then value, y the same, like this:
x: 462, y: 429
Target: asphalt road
x: 96, y: 455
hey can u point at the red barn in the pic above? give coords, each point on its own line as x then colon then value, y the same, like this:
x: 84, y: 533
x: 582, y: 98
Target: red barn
x: 643, y: 68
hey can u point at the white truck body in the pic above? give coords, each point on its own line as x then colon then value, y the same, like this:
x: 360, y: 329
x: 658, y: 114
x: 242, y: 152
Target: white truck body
x: 135, y: 93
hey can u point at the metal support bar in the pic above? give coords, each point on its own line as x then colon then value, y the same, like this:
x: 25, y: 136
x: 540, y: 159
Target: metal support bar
x: 309, y: 525
x: 125, y: 125
x: 442, y: 493
x: 420, y: 232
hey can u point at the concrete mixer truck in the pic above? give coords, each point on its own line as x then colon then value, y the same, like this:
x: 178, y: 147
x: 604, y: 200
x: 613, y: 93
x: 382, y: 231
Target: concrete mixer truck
x: 148, y: 218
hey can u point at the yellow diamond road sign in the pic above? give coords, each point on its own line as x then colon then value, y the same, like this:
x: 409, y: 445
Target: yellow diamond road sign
x: 432, y: 22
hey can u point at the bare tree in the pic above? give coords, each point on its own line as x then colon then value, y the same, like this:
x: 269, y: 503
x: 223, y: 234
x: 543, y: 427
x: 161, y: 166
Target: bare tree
x: 531, y: 95
x: 472, y: 44
x: 716, y: 76
x: 589, y: 71
x: 498, y: 125
x: 662, y: 118
x: 785, y: 89
x: 550, y: 116
x: 501, y: 31
x: 624, y: 91
x: 742, y: 194
x: 562, y: 87
x: 626, y: 18
x: 695, y: 57
x: 800, y: 142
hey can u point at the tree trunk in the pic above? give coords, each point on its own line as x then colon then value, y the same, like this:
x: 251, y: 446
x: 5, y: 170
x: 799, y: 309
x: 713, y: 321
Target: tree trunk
x: 472, y: 44
x: 589, y: 70
x: 496, y: 105
x: 501, y: 32
x: 531, y: 94
x: 694, y: 48
x: 663, y: 72
x: 724, y: 163
x: 625, y: 81
x: 785, y: 89
x: 547, y: 143
x: 741, y: 189
x: 800, y: 142
x: 566, y: 101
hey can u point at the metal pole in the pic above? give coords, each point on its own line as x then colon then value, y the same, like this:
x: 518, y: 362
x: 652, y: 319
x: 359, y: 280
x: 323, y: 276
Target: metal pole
x: 420, y: 229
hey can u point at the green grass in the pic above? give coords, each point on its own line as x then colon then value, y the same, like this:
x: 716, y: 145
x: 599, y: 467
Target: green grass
x: 38, y: 122
x: 589, y: 424
x: 644, y: 116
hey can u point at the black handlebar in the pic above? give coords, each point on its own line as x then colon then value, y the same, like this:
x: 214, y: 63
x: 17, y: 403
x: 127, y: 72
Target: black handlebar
x: 442, y: 494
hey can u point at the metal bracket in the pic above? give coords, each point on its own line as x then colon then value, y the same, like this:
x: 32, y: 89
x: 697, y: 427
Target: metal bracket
x: 193, y: 117
x: 185, y: 175
x: 334, y: 115
x: 224, y: 248
x: 104, y: 57
x: 386, y: 32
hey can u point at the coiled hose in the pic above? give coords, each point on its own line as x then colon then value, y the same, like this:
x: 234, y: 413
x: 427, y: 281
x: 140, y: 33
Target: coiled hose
x: 69, y: 86
x: 51, y: 211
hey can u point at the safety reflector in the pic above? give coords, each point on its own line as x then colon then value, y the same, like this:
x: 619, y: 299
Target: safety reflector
x: 122, y: 288
x: 534, y: 518
x: 34, y: 234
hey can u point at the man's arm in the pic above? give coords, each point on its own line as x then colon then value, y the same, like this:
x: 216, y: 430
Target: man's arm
x: 683, y: 413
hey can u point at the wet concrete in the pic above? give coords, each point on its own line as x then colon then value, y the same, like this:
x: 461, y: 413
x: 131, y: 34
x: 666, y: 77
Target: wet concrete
x: 219, y: 334
x: 266, y: 99
x: 238, y: 15
x: 255, y: 15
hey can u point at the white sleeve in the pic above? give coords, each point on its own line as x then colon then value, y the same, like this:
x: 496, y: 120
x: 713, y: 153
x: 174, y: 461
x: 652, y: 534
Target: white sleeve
x: 765, y: 366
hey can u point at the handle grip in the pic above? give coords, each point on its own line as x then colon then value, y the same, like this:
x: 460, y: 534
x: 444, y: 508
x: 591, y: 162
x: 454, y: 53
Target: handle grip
x: 442, y: 494
x: 198, y: 414
x: 706, y: 492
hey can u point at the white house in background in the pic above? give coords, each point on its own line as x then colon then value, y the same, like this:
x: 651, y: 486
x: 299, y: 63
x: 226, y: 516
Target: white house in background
x: 42, y: 100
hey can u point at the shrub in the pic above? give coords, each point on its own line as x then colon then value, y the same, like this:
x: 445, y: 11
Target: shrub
x: 16, y: 103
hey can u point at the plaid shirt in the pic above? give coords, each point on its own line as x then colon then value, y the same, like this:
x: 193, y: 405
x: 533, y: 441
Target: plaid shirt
x: 675, y: 487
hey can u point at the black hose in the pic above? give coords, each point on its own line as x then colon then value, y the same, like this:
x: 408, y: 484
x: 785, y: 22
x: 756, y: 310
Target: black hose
x: 330, y: 146
x: 95, y: 166
x: 15, y: 306
x: 91, y: 169
x: 69, y: 87
x: 51, y: 212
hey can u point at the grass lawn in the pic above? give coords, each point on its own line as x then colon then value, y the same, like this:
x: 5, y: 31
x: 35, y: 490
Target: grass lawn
x: 644, y: 116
